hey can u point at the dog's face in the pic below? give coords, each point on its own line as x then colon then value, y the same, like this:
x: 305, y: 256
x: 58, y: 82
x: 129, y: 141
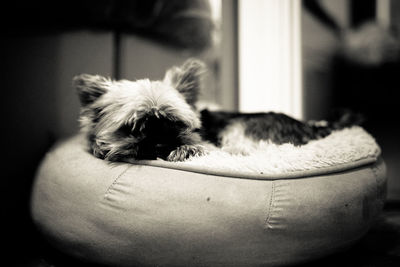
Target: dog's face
x: 141, y: 119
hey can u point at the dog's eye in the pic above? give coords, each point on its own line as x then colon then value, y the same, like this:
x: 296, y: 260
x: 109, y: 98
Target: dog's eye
x: 125, y: 130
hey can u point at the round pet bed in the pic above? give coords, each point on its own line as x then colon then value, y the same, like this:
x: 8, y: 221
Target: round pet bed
x: 275, y: 205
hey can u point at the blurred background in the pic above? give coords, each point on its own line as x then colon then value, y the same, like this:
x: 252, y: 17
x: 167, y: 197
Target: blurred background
x: 301, y: 57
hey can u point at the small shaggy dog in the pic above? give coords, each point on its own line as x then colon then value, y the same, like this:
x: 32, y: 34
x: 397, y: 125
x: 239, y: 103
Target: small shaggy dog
x: 126, y: 120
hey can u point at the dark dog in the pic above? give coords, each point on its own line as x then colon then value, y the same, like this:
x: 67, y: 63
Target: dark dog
x: 222, y: 128
x: 126, y: 120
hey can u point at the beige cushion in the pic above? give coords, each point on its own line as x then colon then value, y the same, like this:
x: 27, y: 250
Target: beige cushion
x: 126, y: 214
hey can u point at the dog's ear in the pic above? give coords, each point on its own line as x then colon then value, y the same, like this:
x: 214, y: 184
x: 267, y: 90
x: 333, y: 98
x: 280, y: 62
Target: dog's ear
x: 90, y: 87
x: 187, y: 79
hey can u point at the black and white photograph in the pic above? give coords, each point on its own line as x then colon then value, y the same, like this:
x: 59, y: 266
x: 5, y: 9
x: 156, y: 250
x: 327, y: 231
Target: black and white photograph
x: 227, y: 133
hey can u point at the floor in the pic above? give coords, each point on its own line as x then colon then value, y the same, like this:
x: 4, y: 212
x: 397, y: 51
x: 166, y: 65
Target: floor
x: 379, y: 248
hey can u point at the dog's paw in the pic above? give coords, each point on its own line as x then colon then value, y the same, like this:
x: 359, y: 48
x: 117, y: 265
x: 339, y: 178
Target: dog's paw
x: 97, y: 151
x: 186, y: 151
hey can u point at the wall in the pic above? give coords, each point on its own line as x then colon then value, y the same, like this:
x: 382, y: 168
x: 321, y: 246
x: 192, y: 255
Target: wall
x: 141, y: 58
x: 39, y: 106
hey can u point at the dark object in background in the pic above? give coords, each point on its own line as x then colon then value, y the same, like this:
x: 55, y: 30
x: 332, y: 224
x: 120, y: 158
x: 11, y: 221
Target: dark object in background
x: 371, y: 90
x: 361, y: 11
x: 185, y: 24
x: 366, y: 64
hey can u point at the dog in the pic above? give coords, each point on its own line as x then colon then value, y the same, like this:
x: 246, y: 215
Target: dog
x: 134, y: 120
x: 125, y: 120
x: 237, y: 132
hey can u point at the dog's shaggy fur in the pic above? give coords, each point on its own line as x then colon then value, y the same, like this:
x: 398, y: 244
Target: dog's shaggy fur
x: 142, y: 119
x: 232, y: 130
x: 127, y: 120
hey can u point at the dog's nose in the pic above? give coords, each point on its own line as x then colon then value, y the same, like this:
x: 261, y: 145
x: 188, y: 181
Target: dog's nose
x: 163, y: 150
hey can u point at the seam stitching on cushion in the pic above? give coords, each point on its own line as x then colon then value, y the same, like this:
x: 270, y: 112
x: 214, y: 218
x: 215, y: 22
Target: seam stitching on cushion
x: 374, y: 170
x: 114, y: 182
x: 271, y: 205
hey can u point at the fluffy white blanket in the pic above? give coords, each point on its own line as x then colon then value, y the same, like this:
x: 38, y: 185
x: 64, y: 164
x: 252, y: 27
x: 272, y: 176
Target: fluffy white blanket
x: 350, y: 147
